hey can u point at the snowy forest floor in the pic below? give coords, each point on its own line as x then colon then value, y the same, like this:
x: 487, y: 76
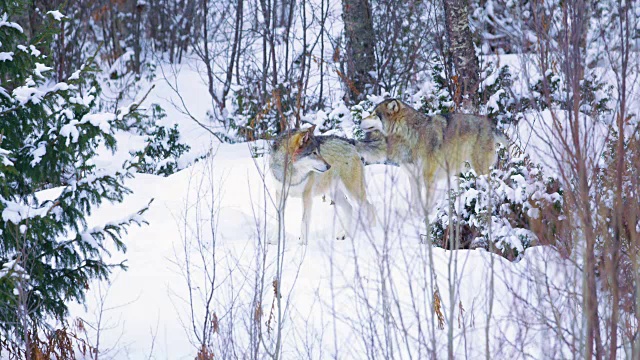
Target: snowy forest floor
x: 367, y: 297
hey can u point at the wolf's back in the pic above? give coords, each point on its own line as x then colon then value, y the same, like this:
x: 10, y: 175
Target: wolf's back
x: 335, y: 149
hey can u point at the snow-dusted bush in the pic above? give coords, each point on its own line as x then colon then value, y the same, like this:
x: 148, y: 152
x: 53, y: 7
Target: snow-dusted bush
x: 514, y: 207
x: 160, y: 155
x: 619, y: 230
x: 501, y: 102
x: 595, y: 94
x: 163, y: 147
x: 497, y: 98
x: 249, y: 117
x: 339, y: 119
x: 359, y: 112
x: 435, y: 97
x: 345, y: 121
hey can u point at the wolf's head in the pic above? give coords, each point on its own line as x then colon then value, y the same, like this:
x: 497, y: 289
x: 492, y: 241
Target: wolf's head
x: 374, y: 136
x: 373, y: 148
x: 304, y: 151
x: 382, y: 116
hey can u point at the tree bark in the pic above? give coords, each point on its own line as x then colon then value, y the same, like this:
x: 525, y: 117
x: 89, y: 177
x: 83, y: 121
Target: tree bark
x: 462, y: 52
x: 360, y: 58
x: 235, y: 49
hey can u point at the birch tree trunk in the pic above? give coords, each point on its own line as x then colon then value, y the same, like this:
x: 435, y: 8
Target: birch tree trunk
x: 462, y: 53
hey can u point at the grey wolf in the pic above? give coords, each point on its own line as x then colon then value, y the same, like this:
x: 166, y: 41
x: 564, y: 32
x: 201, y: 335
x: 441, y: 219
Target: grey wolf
x: 305, y: 166
x: 432, y: 146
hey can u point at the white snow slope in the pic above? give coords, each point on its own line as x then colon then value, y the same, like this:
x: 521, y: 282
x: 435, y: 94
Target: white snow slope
x: 366, y: 297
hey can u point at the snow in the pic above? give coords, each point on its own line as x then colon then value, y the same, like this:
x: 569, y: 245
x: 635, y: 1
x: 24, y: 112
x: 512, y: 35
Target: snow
x: 17, y: 212
x: 57, y: 15
x: 32, y: 92
x: 25, y: 94
x: 75, y: 75
x: 219, y: 212
x: 4, y: 22
x: 38, y: 153
x: 70, y: 131
x: 493, y: 103
x: 101, y: 120
x: 34, y: 51
x: 4, y: 157
x: 219, y: 215
x: 6, y: 56
x: 40, y: 68
x: 223, y: 199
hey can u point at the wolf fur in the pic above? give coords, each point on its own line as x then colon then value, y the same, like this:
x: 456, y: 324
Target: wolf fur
x: 373, y: 148
x: 305, y: 166
x: 432, y: 146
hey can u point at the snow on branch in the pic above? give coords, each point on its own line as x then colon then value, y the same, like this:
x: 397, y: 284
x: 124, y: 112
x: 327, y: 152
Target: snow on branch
x: 57, y: 15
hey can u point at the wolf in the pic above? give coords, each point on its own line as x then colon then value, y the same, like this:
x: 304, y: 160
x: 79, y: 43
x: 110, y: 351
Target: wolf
x: 304, y: 165
x: 431, y: 147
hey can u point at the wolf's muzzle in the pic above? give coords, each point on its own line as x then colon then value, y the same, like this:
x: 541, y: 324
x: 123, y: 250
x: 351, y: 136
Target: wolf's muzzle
x: 322, y: 168
x: 371, y: 123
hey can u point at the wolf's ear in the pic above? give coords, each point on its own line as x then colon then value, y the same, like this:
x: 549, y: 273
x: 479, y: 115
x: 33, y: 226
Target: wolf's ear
x: 393, y: 106
x: 303, y: 138
x: 306, y: 135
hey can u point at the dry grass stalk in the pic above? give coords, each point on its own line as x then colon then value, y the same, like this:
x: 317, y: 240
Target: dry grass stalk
x: 273, y: 305
x: 257, y: 313
x: 437, y: 308
x: 215, y: 324
x: 461, y: 314
x: 62, y: 344
x: 204, y: 354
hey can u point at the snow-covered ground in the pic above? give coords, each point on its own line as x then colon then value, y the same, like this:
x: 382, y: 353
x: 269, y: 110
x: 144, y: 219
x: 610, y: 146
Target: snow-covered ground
x: 209, y: 233
x: 211, y: 244
x: 370, y: 296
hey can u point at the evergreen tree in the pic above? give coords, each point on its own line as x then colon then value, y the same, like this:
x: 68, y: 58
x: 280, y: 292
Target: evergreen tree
x: 49, y: 133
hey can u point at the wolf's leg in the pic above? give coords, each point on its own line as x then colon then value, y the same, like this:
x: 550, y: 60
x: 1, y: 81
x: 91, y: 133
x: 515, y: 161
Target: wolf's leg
x: 307, y: 206
x: 484, y: 156
x: 356, y: 192
x: 415, y: 202
x: 344, y: 214
x: 278, y: 198
x: 371, y: 213
x: 429, y: 173
x: 277, y: 204
x: 416, y: 194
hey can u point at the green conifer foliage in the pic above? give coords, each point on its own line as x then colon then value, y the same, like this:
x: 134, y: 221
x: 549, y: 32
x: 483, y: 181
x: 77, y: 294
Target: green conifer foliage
x: 50, y: 183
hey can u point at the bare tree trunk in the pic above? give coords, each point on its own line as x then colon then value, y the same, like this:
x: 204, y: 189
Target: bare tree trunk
x: 239, y: 28
x: 137, y: 48
x: 303, y: 65
x: 321, y: 62
x: 621, y: 155
x: 286, y: 39
x: 575, y: 21
x: 206, y: 57
x: 234, y: 51
x: 62, y: 53
x: 462, y: 52
x: 358, y: 27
